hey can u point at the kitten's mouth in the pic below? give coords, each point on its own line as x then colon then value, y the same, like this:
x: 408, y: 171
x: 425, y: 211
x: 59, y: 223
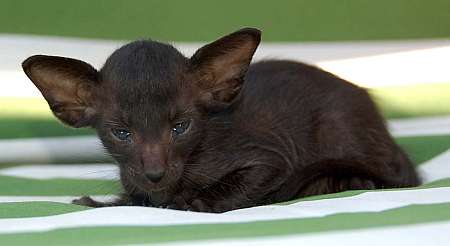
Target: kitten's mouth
x: 148, y: 186
x: 168, y: 182
x: 159, y: 189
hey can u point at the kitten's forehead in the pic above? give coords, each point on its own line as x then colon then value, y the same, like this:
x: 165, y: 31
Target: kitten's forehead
x: 144, y: 66
x: 144, y: 79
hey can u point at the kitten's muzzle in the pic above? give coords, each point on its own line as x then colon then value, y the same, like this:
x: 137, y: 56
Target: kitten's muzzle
x: 154, y: 162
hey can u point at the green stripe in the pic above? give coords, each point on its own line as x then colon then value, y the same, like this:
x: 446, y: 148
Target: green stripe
x: 23, y: 127
x: 14, y: 186
x: 36, y: 209
x: 424, y: 148
x: 32, y: 209
x: 438, y: 183
x: 283, y: 20
x: 152, y: 234
x: 31, y: 117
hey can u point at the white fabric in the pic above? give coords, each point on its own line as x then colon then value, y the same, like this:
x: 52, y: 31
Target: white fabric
x: 436, y: 168
x: 67, y: 171
x: 61, y: 199
x: 396, y: 62
x: 142, y: 216
x: 51, y: 149
x: 424, y: 126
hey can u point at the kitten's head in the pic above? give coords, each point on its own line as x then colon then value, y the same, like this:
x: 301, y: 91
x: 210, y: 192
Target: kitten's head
x: 149, y: 102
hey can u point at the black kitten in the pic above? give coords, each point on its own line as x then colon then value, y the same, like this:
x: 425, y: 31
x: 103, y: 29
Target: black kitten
x: 213, y: 133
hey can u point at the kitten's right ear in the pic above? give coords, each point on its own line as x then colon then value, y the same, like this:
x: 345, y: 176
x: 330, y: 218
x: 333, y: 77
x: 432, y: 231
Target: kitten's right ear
x: 67, y: 84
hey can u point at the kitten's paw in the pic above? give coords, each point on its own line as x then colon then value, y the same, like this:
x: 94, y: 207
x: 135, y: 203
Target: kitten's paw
x: 179, y: 203
x: 86, y: 201
x: 199, y: 205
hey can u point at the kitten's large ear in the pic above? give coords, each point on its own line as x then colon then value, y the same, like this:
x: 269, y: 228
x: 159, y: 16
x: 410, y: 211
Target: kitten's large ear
x: 221, y: 65
x: 68, y: 86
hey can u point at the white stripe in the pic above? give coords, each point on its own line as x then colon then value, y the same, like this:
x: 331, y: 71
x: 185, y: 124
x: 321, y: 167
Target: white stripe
x: 435, y: 234
x: 369, y: 63
x: 52, y: 149
x: 423, y: 126
x: 95, y: 51
x: 436, y: 168
x: 61, y: 199
x: 81, y: 171
x: 402, y: 68
x: 144, y: 216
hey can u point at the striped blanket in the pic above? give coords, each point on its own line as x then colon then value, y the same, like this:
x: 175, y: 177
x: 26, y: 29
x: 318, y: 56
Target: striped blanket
x: 35, y: 207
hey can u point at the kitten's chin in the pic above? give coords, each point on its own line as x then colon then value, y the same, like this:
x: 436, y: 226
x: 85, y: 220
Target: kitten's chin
x: 157, y: 195
x: 147, y: 186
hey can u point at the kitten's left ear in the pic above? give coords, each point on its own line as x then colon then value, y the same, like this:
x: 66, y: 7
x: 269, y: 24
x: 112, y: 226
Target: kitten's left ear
x: 221, y: 65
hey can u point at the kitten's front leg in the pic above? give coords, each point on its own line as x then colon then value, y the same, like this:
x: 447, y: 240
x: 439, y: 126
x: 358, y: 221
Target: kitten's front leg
x: 197, y: 204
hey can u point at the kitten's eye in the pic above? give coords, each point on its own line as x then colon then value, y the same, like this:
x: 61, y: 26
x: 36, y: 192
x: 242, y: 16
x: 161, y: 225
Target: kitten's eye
x: 180, y: 127
x: 121, y: 134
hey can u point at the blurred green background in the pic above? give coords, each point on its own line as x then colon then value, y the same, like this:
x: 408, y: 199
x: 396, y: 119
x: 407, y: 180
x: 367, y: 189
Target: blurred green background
x: 200, y: 20
x: 203, y: 20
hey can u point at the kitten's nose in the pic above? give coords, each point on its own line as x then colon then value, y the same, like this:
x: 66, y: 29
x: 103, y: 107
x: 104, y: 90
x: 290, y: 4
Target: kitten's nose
x: 154, y: 161
x: 155, y: 175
